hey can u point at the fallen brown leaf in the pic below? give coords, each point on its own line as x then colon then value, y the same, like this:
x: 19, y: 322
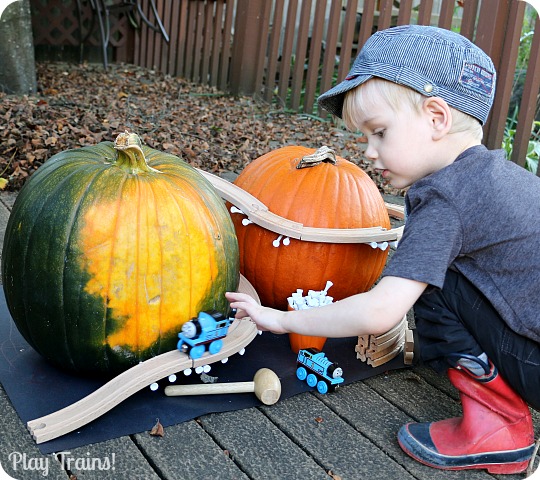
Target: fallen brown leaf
x: 157, y: 430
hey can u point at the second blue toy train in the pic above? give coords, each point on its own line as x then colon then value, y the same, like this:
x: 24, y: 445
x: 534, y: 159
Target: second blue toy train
x: 318, y: 371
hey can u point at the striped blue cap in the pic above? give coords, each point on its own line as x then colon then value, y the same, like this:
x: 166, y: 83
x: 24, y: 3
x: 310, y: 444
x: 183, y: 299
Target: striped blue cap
x: 433, y: 61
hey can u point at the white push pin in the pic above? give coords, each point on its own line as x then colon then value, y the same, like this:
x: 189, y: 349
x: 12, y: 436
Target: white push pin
x: 199, y: 369
x: 241, y: 352
x: 172, y: 378
x: 236, y: 210
x: 373, y: 244
x: 383, y: 246
x: 286, y: 241
x: 276, y: 242
x: 327, y: 287
x: 225, y: 360
x: 393, y: 244
x: 207, y: 368
x: 246, y: 221
x: 187, y: 372
x: 154, y: 387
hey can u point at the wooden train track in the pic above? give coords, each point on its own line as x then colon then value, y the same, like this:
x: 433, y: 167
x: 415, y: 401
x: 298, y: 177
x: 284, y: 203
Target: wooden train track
x: 74, y: 416
x: 259, y: 214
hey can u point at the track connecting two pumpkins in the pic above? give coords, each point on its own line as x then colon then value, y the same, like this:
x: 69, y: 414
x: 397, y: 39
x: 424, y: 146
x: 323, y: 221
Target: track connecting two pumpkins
x: 109, y: 249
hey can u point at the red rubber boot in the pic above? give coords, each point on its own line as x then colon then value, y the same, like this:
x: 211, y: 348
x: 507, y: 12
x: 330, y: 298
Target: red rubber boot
x: 495, y: 432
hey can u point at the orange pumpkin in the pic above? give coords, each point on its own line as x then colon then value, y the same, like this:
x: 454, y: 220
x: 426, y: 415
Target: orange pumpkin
x: 333, y: 193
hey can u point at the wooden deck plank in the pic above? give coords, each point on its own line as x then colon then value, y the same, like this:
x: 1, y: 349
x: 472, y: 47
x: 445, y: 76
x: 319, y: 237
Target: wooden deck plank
x: 123, y: 455
x: 187, y: 451
x: 334, y: 443
x: 16, y: 444
x: 259, y: 447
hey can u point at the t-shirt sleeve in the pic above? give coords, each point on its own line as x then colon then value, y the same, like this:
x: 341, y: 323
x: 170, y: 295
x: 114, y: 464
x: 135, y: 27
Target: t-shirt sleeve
x: 432, y: 238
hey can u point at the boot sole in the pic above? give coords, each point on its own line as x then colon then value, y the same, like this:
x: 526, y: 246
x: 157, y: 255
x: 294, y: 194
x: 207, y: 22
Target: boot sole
x: 493, y: 462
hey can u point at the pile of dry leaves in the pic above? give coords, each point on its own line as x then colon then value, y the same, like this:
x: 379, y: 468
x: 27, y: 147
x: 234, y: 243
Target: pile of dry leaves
x: 80, y: 105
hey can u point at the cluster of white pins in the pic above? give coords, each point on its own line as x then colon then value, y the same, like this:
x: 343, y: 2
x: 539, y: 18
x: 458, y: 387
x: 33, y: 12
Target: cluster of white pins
x: 314, y: 298
x: 383, y: 245
x: 188, y: 371
x: 247, y: 221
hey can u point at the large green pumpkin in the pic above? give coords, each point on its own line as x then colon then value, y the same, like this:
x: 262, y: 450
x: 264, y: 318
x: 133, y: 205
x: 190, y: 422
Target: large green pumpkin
x: 109, y: 249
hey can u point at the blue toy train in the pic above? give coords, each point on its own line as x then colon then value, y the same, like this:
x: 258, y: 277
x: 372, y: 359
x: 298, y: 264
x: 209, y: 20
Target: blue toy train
x: 204, y: 333
x: 317, y: 370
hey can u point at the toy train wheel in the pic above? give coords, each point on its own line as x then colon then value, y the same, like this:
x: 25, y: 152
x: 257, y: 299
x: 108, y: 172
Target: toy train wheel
x: 322, y: 387
x: 215, y: 347
x: 197, y: 352
x: 311, y: 380
x: 301, y: 373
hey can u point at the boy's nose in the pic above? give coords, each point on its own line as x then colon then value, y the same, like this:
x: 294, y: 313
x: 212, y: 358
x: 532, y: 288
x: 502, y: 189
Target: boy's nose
x: 371, y: 153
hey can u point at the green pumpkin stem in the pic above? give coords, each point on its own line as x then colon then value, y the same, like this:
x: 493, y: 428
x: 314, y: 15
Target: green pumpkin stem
x: 130, y: 154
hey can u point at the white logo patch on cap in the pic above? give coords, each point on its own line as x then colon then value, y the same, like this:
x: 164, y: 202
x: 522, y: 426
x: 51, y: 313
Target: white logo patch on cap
x: 477, y: 78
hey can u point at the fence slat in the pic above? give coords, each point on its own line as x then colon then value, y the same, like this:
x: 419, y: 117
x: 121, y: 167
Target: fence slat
x: 273, y: 50
x: 468, y: 22
x: 300, y: 57
x: 286, y: 52
x: 489, y: 37
x: 447, y: 13
x: 505, y: 76
x: 385, y: 14
x: 329, y: 60
x: 424, y: 12
x: 181, y: 45
x: 173, y: 35
x: 263, y: 44
x: 366, y: 25
x: 197, y: 47
x: 206, y: 56
x: 527, y: 108
x: 347, y: 39
x: 405, y: 12
x: 230, y: 6
x: 314, y: 58
x: 216, y: 44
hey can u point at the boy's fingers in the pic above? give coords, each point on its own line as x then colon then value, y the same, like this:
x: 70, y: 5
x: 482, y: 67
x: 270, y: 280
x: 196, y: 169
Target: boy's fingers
x: 240, y: 312
x: 239, y: 297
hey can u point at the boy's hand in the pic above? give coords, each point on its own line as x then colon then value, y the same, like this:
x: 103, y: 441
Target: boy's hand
x: 266, y: 319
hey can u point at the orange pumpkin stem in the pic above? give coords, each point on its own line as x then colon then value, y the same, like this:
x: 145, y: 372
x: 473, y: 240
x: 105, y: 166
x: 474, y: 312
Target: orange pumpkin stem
x: 323, y: 154
x: 130, y: 154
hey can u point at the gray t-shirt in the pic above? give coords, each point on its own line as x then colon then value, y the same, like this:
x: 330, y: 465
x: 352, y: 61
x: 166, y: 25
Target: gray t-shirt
x: 479, y: 216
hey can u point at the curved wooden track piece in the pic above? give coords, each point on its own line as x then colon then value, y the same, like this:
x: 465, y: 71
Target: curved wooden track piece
x: 258, y: 213
x: 63, y: 421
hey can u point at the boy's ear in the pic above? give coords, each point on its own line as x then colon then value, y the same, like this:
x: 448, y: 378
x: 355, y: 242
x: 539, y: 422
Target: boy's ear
x: 439, y: 114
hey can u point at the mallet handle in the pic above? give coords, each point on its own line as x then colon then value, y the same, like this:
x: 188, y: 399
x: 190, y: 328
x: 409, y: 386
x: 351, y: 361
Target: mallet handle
x: 209, y: 389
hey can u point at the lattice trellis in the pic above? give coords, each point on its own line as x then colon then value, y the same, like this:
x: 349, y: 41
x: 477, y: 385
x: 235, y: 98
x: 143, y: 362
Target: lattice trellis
x: 56, y: 22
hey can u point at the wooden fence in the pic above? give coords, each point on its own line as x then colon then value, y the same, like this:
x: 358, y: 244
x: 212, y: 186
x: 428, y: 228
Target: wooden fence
x: 289, y: 51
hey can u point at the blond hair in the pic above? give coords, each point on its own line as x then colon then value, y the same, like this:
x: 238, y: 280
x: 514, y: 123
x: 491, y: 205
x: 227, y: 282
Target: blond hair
x: 398, y: 96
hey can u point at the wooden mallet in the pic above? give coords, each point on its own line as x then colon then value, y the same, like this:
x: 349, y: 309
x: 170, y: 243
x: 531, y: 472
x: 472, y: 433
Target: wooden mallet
x: 265, y: 384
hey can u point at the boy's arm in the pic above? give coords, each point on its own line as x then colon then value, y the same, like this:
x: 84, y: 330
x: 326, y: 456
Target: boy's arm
x: 373, y: 312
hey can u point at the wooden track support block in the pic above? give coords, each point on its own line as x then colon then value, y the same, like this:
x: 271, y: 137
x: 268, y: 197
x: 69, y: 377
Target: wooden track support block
x: 376, y: 350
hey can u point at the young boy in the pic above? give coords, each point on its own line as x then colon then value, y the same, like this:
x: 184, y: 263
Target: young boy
x: 468, y: 262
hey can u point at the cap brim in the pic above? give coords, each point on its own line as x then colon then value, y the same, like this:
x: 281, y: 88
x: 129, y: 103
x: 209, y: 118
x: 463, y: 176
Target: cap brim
x: 333, y: 99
